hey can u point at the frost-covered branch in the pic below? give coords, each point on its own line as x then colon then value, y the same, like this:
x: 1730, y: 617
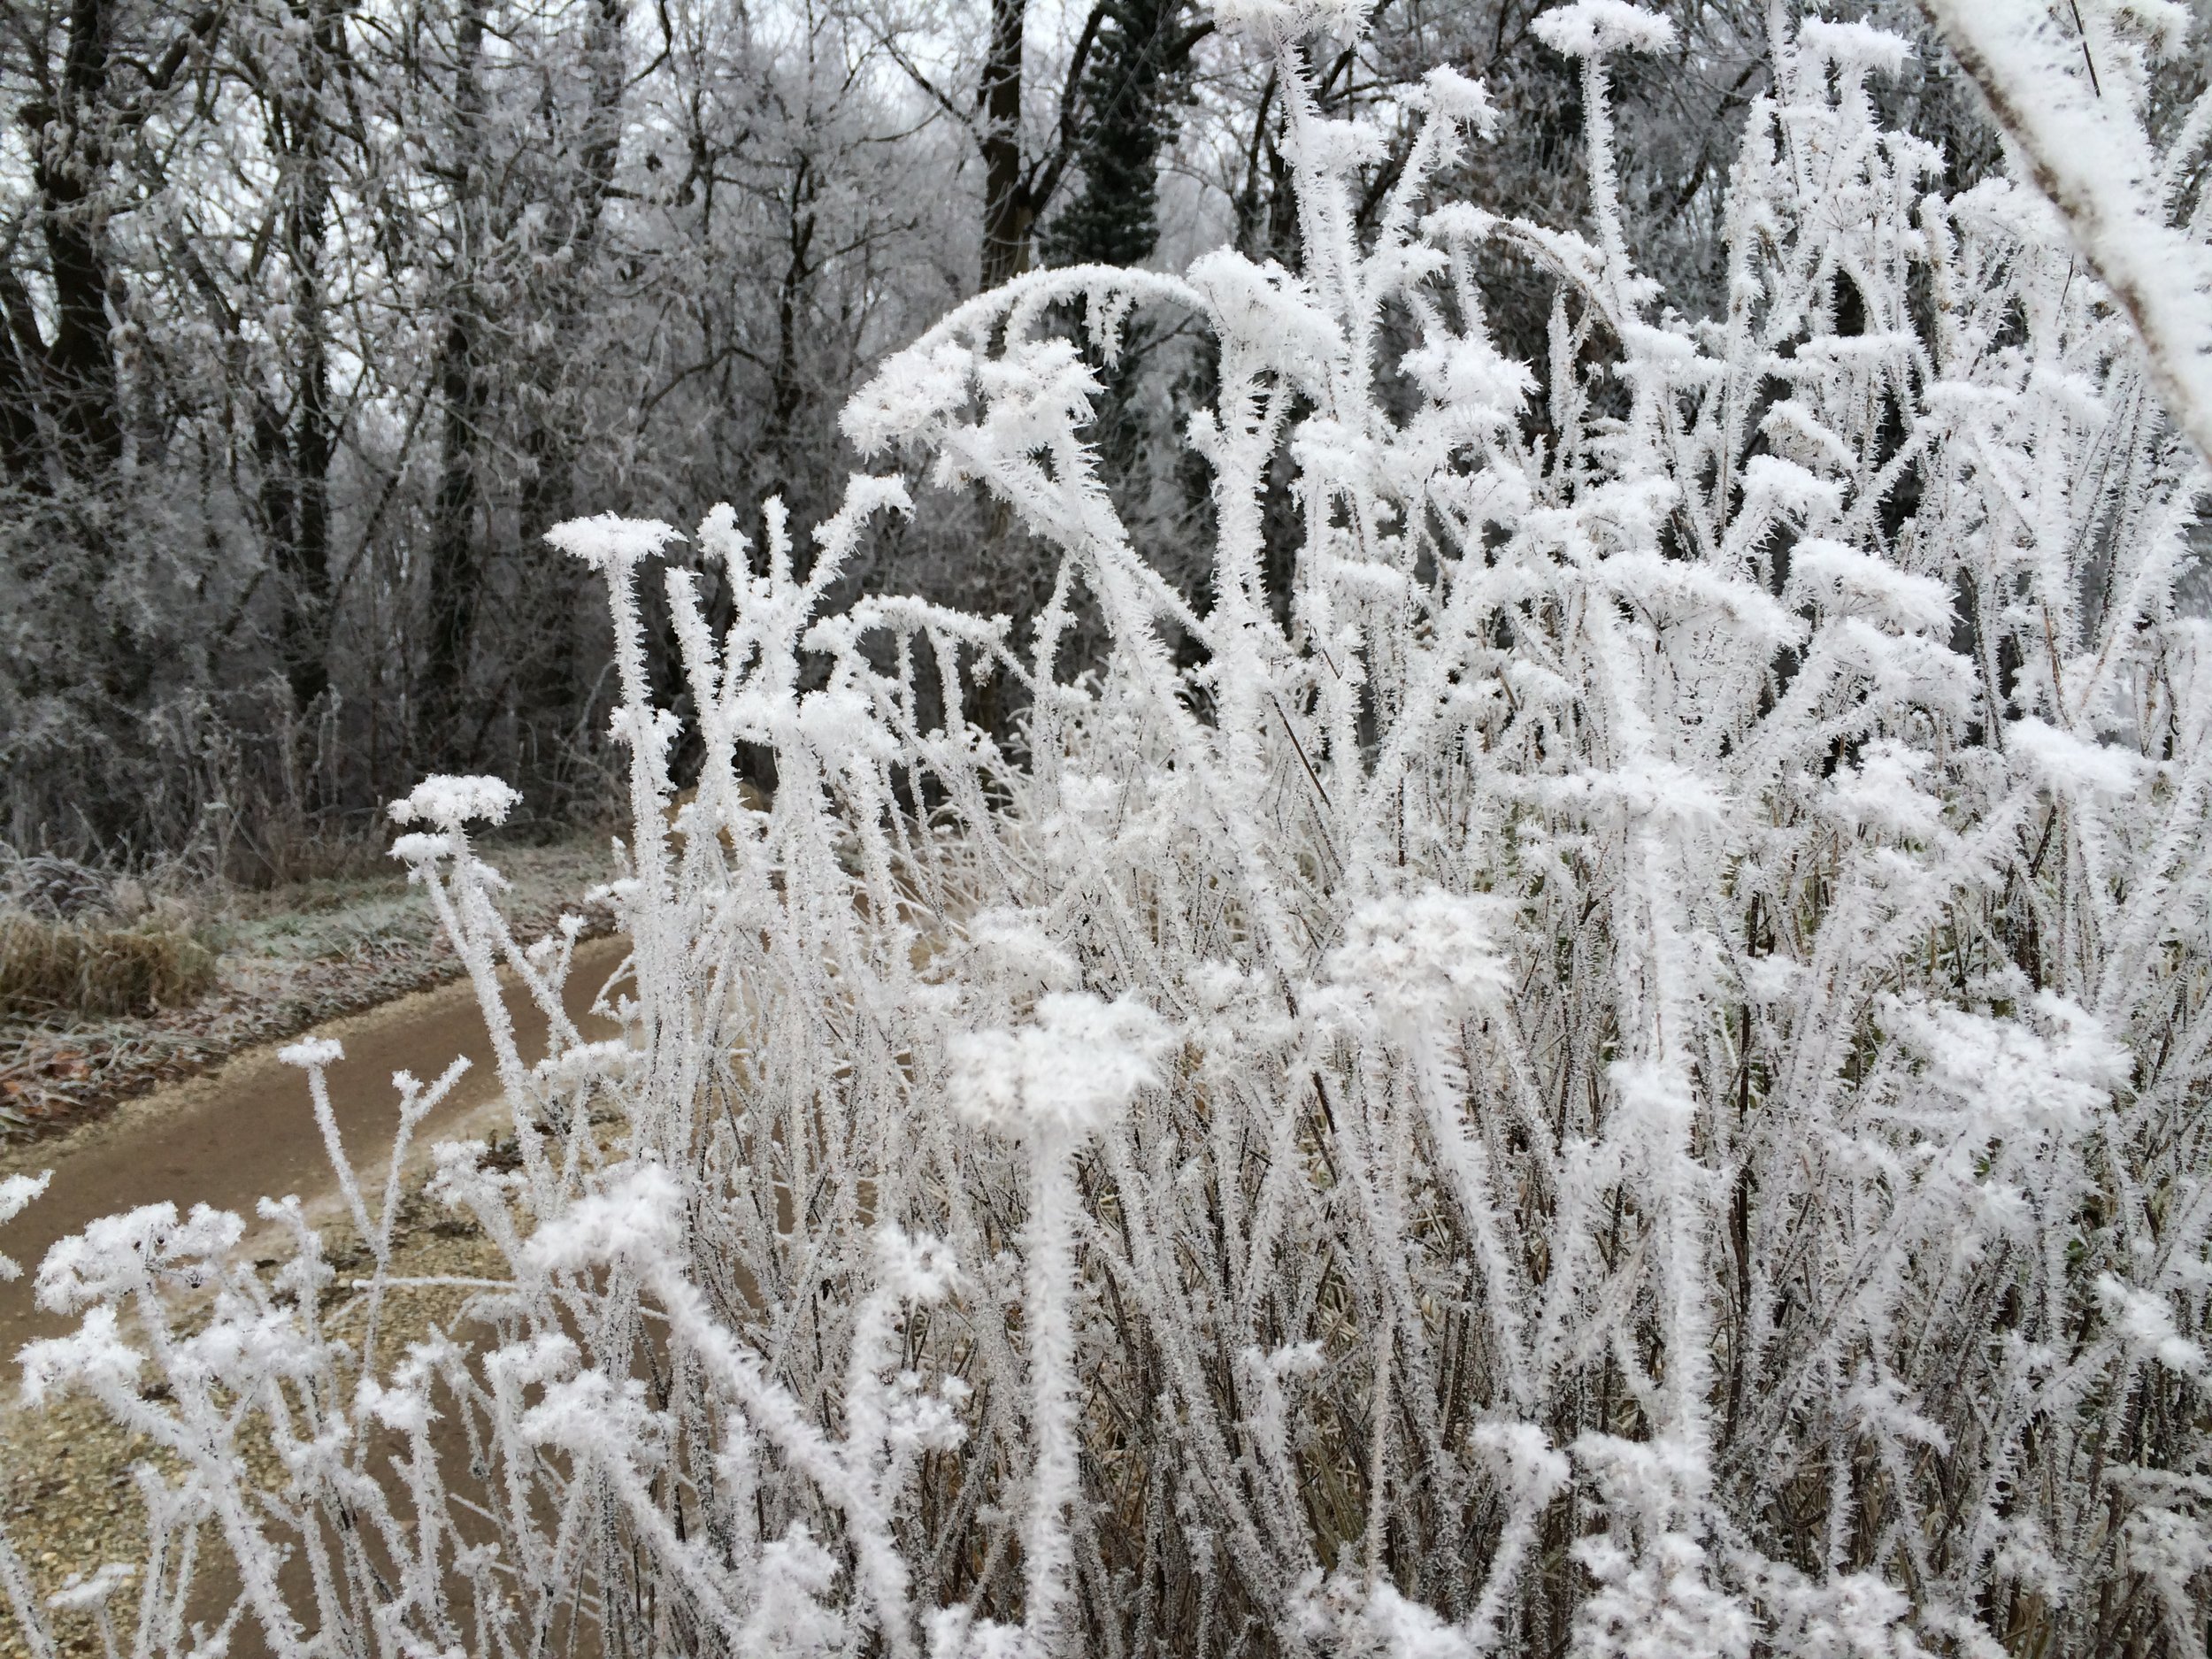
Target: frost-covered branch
x: 2082, y: 134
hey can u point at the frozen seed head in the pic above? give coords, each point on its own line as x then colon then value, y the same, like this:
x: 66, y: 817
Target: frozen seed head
x: 1854, y: 45
x: 311, y: 1052
x: 92, y: 1355
x: 116, y: 1255
x: 446, y: 803
x: 639, y: 1219
x: 1456, y: 97
x: 15, y: 1192
x: 914, y: 1266
x: 911, y: 397
x: 1065, y: 1077
x: 420, y: 848
x: 1421, y: 959
x: 1598, y: 28
x: 1272, y: 25
x: 19, y: 1190
x: 608, y: 543
x: 720, y: 538
x: 2144, y: 1322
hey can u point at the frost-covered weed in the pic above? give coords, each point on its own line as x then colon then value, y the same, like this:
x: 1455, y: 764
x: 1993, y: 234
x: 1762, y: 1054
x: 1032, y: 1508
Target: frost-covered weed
x: 1632, y: 1081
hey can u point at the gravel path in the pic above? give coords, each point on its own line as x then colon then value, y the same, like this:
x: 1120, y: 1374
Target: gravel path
x: 243, y: 1130
x: 288, y: 959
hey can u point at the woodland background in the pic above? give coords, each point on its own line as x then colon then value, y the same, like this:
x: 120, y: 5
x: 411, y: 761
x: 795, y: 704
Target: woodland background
x: 319, y: 314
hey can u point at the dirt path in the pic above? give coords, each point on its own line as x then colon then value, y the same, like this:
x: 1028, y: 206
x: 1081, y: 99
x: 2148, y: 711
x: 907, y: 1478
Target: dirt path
x: 246, y: 1130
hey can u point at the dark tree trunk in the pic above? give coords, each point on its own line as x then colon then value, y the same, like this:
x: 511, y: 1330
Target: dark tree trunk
x: 786, y: 388
x: 1007, y: 211
x: 314, y: 444
x: 456, y: 553
x: 68, y: 161
x: 604, y: 134
x: 305, y: 555
x: 549, y: 676
x: 277, y: 502
x: 22, y: 454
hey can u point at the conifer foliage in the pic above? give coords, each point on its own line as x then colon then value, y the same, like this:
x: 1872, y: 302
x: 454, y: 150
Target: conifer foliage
x: 1629, y: 1080
x: 1137, y: 68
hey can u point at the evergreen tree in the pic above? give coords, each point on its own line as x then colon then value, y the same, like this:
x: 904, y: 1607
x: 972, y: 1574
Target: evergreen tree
x: 1135, y: 75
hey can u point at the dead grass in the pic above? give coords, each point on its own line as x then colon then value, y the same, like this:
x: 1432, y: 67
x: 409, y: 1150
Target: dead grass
x: 98, y: 968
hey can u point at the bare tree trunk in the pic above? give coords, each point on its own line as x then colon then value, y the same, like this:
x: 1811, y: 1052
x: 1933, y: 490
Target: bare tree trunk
x: 457, y: 565
x: 786, y: 389
x: 314, y: 445
x: 455, y: 554
x: 603, y: 48
x: 303, y: 556
x: 22, y: 451
x: 551, y: 676
x: 1007, y: 210
x: 68, y: 161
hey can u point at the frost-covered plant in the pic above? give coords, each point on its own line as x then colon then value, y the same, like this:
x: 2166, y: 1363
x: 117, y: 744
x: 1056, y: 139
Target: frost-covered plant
x: 2125, y: 199
x: 1631, y: 1080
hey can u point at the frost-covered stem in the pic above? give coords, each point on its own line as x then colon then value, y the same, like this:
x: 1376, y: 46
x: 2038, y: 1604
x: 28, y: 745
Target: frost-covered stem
x: 1048, y: 1289
x: 2090, y: 156
x: 475, y: 953
x: 23, y: 1596
x: 1605, y: 189
x: 615, y: 548
x: 327, y: 1123
x: 780, y: 1417
x: 1467, y: 1164
x: 416, y: 1102
x: 1327, y: 231
x: 642, y: 728
x: 1678, y: 1175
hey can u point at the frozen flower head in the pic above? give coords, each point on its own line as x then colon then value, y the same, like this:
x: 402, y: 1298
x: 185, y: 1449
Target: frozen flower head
x: 638, y: 1219
x: 1419, y: 958
x: 584, y: 1063
x: 2145, y: 1324
x: 312, y: 1053
x: 1854, y: 46
x: 1012, y: 948
x: 914, y: 1266
x: 1598, y: 28
x: 719, y: 538
x: 15, y: 1191
x: 117, y: 1255
x: 610, y: 544
x: 1065, y: 1077
x: 448, y: 803
x: 1272, y: 25
x: 92, y: 1357
x: 1343, y: 1614
x: 1448, y: 93
x: 911, y: 398
x: 2070, y: 764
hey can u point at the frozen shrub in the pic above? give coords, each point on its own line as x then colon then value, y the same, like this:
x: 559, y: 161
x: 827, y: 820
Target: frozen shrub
x: 52, y: 887
x: 1632, y: 1080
